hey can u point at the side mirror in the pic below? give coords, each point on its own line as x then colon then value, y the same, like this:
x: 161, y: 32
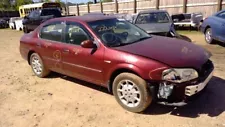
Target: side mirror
x: 87, y: 44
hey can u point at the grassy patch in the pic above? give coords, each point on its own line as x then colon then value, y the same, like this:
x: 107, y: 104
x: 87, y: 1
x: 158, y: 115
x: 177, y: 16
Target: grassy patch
x: 187, y: 32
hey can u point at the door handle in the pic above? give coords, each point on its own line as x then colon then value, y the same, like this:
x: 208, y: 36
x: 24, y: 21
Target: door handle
x: 66, y: 50
x: 38, y: 44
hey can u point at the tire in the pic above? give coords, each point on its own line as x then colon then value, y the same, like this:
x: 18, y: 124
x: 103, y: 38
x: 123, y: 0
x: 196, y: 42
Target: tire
x: 208, y: 36
x: 38, y: 66
x: 122, y: 88
x: 25, y: 30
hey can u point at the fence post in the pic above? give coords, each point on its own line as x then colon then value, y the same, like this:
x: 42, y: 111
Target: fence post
x: 88, y: 7
x: 101, y: 6
x: 219, y: 5
x: 157, y: 4
x: 135, y: 6
x: 78, y: 11
x: 184, y: 6
x: 116, y: 6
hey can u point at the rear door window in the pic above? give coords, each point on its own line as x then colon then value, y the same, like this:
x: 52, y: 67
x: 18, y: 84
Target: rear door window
x: 53, y: 32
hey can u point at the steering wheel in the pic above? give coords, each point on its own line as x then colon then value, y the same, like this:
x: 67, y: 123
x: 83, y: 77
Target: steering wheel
x: 110, y: 39
x: 124, y: 34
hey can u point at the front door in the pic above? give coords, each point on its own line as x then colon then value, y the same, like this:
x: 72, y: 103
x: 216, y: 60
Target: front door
x: 83, y: 63
x: 36, y: 19
x: 51, y: 39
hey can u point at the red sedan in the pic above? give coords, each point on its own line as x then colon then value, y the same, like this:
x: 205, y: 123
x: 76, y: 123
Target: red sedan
x: 136, y: 67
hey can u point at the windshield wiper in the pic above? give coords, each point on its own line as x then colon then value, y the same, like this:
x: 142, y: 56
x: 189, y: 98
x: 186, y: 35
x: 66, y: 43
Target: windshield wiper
x: 143, y: 38
x: 122, y: 44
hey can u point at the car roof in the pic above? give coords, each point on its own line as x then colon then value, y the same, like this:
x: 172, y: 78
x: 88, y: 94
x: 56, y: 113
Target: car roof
x: 219, y: 12
x: 152, y: 11
x: 95, y: 13
x: 85, y: 18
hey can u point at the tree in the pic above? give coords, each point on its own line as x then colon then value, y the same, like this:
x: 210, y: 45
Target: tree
x: 90, y: 2
x: 5, y: 5
x: 22, y: 2
x: 45, y: 0
x: 107, y: 0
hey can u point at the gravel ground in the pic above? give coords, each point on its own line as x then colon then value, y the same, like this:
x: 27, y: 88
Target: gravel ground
x: 61, y: 101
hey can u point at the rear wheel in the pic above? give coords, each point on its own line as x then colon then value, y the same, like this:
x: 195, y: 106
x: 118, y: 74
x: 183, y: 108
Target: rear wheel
x: 37, y: 66
x: 208, y: 36
x: 131, y: 92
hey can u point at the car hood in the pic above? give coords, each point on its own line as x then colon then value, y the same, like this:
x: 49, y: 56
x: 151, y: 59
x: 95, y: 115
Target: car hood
x: 155, y: 27
x: 170, y: 51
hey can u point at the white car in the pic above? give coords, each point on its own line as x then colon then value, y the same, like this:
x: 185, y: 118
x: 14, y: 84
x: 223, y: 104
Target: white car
x: 12, y: 23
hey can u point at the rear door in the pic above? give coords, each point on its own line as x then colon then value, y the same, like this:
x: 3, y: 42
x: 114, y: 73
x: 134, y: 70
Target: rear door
x: 51, y: 39
x: 79, y: 62
x: 29, y: 21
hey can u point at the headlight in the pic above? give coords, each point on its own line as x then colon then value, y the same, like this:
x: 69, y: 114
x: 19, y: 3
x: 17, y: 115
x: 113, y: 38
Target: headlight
x: 179, y: 75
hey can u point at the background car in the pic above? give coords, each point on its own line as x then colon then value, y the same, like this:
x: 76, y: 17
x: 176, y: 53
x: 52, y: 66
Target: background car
x: 214, y: 27
x: 3, y: 23
x: 12, y: 23
x: 156, y: 22
x: 94, y: 13
x: 188, y: 19
x: 35, y: 18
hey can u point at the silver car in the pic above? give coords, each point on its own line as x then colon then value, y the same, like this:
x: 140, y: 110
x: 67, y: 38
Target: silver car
x: 156, y: 22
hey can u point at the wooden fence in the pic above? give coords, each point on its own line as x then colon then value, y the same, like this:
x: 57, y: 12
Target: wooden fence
x: 206, y: 7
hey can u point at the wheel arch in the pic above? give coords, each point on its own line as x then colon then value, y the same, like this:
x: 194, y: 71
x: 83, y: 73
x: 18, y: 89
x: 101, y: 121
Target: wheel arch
x: 118, y: 71
x: 207, y: 27
x: 29, y: 54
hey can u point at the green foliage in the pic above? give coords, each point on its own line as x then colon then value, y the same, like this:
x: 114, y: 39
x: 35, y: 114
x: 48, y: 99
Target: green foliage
x: 46, y: 1
x: 58, y: 1
x: 107, y: 0
x: 61, y: 3
x: 22, y: 2
x: 5, y: 5
x: 90, y: 2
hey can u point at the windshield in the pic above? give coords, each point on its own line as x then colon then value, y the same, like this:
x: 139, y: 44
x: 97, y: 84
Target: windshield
x: 157, y: 17
x: 54, y: 12
x: 114, y: 32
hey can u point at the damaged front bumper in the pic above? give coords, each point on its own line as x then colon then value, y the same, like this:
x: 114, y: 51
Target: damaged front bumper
x: 180, y: 94
x: 193, y: 89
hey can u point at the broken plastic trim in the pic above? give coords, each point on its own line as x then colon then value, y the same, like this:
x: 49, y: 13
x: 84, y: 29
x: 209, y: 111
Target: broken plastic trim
x: 165, y: 90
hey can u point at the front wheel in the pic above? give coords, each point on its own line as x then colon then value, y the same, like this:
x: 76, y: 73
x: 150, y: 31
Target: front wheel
x: 25, y: 30
x: 208, y: 36
x: 131, y: 92
x: 38, y: 66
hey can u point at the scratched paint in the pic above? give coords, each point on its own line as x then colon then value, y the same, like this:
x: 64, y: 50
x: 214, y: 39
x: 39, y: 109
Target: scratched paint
x: 47, y: 44
x: 76, y: 51
x: 57, y: 55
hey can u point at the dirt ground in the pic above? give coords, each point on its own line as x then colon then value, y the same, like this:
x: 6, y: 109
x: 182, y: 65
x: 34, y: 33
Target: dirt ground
x: 60, y: 101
